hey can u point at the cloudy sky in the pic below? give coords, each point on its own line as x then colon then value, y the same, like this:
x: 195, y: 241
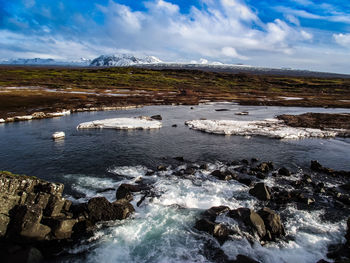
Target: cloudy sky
x: 303, y: 34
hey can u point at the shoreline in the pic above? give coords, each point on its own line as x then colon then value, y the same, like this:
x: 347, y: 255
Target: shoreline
x: 25, y: 90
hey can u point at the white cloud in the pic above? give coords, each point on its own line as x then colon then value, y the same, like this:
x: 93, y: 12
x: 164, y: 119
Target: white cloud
x: 227, y: 30
x: 342, y: 39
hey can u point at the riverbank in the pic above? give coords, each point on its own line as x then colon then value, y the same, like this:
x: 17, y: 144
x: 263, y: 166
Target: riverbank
x: 26, y: 90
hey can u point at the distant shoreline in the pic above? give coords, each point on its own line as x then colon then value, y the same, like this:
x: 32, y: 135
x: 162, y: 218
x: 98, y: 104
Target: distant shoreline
x: 25, y: 90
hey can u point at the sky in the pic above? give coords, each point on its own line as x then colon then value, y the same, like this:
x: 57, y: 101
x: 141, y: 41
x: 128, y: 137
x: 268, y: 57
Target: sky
x: 301, y: 34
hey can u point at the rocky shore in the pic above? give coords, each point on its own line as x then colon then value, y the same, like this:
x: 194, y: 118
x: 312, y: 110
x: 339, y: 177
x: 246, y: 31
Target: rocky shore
x: 317, y: 120
x: 63, y: 112
x: 36, y: 222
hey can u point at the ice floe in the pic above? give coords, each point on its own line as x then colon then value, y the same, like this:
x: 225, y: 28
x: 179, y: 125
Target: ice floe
x: 141, y: 123
x: 270, y: 127
x: 58, y: 135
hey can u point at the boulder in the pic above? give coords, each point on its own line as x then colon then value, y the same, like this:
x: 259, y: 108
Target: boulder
x: 125, y: 191
x: 205, y: 225
x: 26, y: 223
x: 100, y: 209
x: 61, y: 227
x: 264, y: 167
x: 222, y: 175
x: 219, y: 231
x: 250, y: 219
x: 261, y: 192
x: 157, y: 117
x: 284, y: 171
x: 123, y: 209
x: 272, y: 223
x: 214, y: 211
x: 245, y: 181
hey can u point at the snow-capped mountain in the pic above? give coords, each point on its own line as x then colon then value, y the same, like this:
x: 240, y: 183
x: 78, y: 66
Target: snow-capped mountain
x: 123, y: 60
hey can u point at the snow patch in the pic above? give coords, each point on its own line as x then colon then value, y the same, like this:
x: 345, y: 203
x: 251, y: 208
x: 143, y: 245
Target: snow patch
x: 58, y: 135
x: 141, y: 123
x: 270, y: 128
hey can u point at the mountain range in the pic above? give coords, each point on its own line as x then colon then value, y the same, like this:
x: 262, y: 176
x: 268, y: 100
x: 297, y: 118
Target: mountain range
x: 125, y: 60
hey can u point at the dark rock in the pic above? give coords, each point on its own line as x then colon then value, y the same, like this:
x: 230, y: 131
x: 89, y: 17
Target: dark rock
x: 221, y: 232
x: 123, y: 209
x: 346, y: 187
x: 284, y: 171
x: 250, y: 219
x: 222, y: 175
x: 100, y: 209
x: 260, y: 175
x: 245, y: 161
x: 282, y: 197
x: 125, y: 191
x: 245, y: 181
x: 179, y: 158
x: 221, y: 109
x: 305, y: 199
x: 214, y: 211
x: 24, y: 255
x: 272, y: 222
x: 149, y: 173
x: 264, y: 167
x: 190, y: 171
x: 161, y: 168
x: 323, y: 261
x: 205, y: 225
x: 26, y: 224
x: 261, y: 192
x: 61, y: 227
x: 254, y: 160
x: 244, y: 259
x: 157, y: 117
x: 204, y: 166
x: 174, y: 125
x: 54, y: 206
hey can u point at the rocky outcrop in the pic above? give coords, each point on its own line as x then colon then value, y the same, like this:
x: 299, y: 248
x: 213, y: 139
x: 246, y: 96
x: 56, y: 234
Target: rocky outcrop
x: 317, y: 167
x: 33, y: 211
x: 264, y: 225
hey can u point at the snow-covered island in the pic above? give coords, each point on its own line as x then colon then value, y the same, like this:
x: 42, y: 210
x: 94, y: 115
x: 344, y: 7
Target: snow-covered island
x: 139, y: 123
x: 273, y: 128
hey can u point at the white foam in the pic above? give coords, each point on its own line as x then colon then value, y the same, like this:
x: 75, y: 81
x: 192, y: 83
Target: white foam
x: 162, y: 231
x: 122, y: 124
x: 269, y: 127
x: 129, y: 171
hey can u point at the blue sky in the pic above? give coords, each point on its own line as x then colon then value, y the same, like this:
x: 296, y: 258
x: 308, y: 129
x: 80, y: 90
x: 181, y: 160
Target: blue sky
x: 304, y: 34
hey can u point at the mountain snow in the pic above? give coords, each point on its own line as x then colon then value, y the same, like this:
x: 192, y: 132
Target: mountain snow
x: 123, y: 60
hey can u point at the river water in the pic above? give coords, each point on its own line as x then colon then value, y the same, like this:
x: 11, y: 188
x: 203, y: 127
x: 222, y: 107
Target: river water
x: 161, y: 230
